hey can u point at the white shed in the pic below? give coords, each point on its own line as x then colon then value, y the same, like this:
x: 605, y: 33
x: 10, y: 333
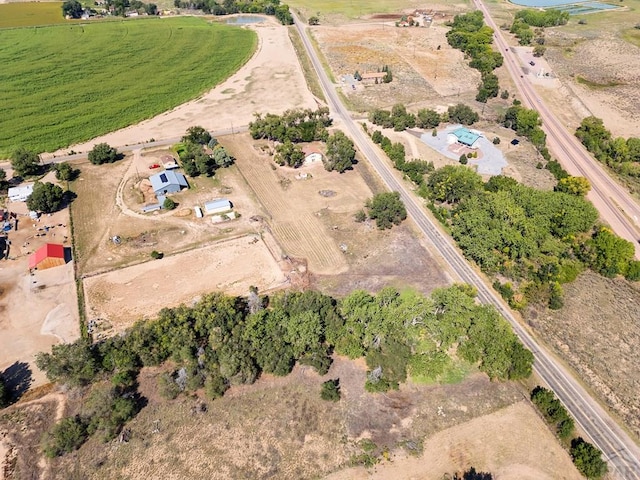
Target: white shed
x: 219, y: 205
x: 21, y: 193
x: 198, y: 211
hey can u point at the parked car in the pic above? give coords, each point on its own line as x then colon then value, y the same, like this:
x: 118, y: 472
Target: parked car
x: 532, y: 63
x: 155, y: 165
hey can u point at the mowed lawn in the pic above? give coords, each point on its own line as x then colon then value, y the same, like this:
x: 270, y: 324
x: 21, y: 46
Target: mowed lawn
x: 24, y: 14
x: 65, y: 84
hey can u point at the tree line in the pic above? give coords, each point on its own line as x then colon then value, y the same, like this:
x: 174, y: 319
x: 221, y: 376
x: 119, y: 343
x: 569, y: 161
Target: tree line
x: 400, y: 119
x: 229, y: 7
x: 470, y: 35
x: 223, y: 341
x: 586, y: 457
x: 623, y: 155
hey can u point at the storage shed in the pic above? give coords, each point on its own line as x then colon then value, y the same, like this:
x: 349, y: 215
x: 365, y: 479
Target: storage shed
x: 48, y: 256
x: 219, y: 205
x: 21, y: 193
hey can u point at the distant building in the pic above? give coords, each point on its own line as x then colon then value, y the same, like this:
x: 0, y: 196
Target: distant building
x: 48, y: 256
x: 167, y: 181
x: 464, y: 136
x: 219, y: 205
x: 371, y: 77
x: 21, y: 193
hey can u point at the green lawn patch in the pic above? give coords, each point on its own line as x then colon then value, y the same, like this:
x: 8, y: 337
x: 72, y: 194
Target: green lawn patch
x: 29, y: 14
x: 67, y: 84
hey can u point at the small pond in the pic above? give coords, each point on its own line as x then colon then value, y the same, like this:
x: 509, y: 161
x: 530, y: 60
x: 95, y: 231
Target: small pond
x: 245, y: 20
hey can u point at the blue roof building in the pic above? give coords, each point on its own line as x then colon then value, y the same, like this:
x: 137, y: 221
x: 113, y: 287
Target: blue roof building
x: 167, y: 181
x: 465, y: 136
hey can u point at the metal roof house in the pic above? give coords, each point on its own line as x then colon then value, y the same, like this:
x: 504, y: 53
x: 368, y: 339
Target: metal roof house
x: 21, y: 193
x: 168, y: 181
x: 464, y: 136
x: 219, y: 205
x: 48, y: 256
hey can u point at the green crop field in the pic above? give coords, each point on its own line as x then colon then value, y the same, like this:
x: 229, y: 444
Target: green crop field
x: 65, y: 84
x: 354, y: 8
x: 27, y: 14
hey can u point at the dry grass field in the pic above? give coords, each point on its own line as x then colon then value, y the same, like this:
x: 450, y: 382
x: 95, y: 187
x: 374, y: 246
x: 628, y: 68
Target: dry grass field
x: 279, y: 428
x: 596, y: 332
x: 140, y: 291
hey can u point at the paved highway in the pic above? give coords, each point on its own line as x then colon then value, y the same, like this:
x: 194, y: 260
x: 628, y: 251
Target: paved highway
x: 613, y: 202
x: 621, y: 452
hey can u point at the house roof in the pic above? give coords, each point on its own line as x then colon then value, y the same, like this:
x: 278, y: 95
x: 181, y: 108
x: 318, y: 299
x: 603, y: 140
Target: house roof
x: 465, y: 136
x: 309, y: 149
x: 162, y: 180
x: 373, y: 75
x: 217, y: 203
x: 21, y: 191
x: 48, y: 250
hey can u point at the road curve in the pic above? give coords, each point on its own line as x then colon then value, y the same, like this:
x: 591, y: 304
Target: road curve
x: 621, y: 452
x: 615, y: 204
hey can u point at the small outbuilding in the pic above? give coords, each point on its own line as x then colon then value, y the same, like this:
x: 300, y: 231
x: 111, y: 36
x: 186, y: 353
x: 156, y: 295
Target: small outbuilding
x: 312, y: 154
x: 168, y: 162
x: 21, y: 193
x: 48, y: 256
x: 219, y: 205
x: 168, y: 181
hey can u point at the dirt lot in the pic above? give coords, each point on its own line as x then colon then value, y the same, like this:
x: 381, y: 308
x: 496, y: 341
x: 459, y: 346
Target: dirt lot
x: 109, y: 204
x: 39, y: 310
x: 272, y: 81
x: 140, y: 291
x: 596, y: 332
x: 279, y: 428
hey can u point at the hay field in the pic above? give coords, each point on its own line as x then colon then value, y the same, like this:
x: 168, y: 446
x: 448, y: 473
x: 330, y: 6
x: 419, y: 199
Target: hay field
x: 30, y: 14
x: 66, y: 84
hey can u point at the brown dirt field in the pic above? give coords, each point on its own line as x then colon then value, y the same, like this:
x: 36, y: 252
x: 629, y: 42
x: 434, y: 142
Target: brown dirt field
x: 39, y: 310
x: 293, y: 206
x: 596, y: 332
x: 120, y: 297
x: 279, y: 428
x: 512, y: 444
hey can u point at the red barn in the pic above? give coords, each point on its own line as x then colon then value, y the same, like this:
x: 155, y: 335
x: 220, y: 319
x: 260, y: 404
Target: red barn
x: 47, y: 256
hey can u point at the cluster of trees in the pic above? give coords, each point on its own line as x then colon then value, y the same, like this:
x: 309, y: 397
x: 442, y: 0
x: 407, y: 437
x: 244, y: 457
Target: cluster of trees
x: 620, y: 154
x: 225, y: 340
x: 193, y: 157
x: 5, y: 393
x: 229, y: 7
x: 25, y: 163
x: 399, y: 119
x: 386, y: 209
x: 341, y: 154
x: 414, y: 169
x: 103, y: 153
x: 72, y: 9
x: 586, y: 457
x: 293, y: 125
x: 542, y: 18
x: 527, y: 122
x: 469, y: 34
x: 541, y: 239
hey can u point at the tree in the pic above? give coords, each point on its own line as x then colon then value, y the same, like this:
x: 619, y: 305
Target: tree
x: 72, y: 363
x: 197, y: 135
x: 386, y: 209
x: 314, y: 21
x: 427, y: 118
x: 25, y: 162
x: 289, y: 154
x: 168, y: 204
x: 453, y: 183
x: 72, y: 9
x: 67, y: 435
x: 587, y: 459
x: 357, y: 76
x: 151, y: 8
x: 330, y: 390
x: 388, y: 77
x: 46, y: 198
x: 608, y: 254
x: 5, y: 394
x: 65, y: 172
x: 579, y: 186
x: 221, y: 157
x: 463, y: 114
x: 340, y: 154
x: 539, y: 50
x: 103, y: 153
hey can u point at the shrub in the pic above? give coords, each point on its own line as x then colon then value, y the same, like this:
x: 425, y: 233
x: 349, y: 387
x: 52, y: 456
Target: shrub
x: 67, y: 435
x: 360, y: 216
x: 330, y: 390
x: 156, y: 255
x: 167, y: 386
x: 103, y: 153
x: 463, y: 159
x: 496, y: 140
x: 587, y: 459
x: 168, y: 204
